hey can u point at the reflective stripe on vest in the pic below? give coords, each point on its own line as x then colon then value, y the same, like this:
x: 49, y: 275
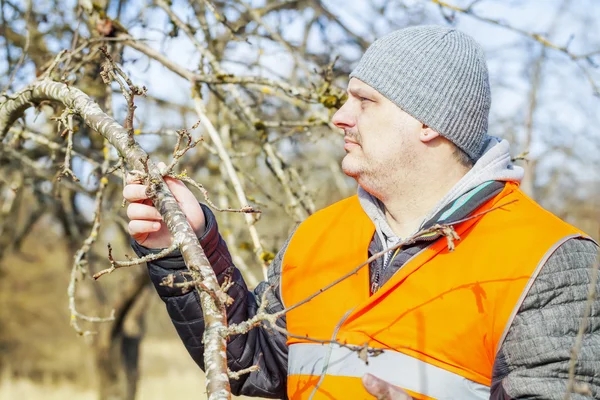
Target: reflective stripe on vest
x: 396, y: 368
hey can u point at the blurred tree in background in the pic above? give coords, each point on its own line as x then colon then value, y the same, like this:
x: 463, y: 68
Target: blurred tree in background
x: 268, y: 75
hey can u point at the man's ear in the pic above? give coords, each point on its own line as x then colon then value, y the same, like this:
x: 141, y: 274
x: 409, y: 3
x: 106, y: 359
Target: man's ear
x: 427, y: 134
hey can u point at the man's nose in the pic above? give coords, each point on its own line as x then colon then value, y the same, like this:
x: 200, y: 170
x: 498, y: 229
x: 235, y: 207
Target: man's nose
x: 343, y: 118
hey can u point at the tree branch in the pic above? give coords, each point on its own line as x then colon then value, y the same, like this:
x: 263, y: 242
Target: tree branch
x: 13, y: 107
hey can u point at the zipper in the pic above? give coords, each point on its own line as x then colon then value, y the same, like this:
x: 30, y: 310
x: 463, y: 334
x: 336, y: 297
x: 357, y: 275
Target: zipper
x: 375, y: 284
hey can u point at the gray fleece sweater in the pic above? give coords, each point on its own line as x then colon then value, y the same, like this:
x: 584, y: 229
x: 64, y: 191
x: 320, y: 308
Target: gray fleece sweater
x: 533, y: 361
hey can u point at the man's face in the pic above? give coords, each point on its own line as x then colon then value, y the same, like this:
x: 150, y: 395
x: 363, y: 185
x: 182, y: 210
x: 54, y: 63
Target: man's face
x: 381, y: 140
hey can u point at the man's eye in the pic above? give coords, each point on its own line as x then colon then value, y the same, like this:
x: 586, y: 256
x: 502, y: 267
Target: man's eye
x: 364, y: 99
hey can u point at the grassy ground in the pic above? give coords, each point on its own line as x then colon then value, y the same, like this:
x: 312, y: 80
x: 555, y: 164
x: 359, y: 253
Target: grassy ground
x: 167, y: 372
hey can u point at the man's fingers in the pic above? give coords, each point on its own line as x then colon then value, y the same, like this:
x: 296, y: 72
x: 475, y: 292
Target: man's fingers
x: 179, y: 190
x: 134, y: 192
x: 132, y: 178
x: 138, y: 227
x: 143, y: 212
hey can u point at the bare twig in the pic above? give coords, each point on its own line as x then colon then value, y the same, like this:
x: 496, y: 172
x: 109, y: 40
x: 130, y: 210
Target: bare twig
x: 74, y: 50
x: 237, y: 374
x: 276, y: 37
x: 446, y: 230
x: 246, y: 209
x: 112, y: 71
x: 80, y: 258
x: 221, y: 18
x: 178, y: 152
x: 521, y: 156
x: 263, y: 316
x: 69, y: 130
x: 52, y: 66
x: 136, y: 261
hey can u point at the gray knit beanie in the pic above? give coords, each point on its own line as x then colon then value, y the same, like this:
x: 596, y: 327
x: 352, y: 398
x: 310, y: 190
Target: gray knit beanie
x: 436, y: 74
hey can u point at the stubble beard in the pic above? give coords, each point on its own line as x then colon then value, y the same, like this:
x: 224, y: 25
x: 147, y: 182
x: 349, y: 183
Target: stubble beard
x: 351, y: 163
x: 377, y: 176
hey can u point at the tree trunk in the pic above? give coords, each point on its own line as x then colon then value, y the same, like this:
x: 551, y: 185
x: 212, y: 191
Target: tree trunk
x: 117, y: 348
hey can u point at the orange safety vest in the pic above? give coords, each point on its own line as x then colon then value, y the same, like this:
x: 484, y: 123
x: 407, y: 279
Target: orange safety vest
x: 439, y: 320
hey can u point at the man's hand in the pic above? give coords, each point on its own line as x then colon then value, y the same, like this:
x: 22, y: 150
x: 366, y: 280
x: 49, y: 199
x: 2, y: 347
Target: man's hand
x: 383, y: 390
x: 146, y: 225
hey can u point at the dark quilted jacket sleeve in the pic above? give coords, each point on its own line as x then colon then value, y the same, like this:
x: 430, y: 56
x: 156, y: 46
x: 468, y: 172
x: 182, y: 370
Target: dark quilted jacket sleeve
x: 533, y: 361
x: 261, y: 346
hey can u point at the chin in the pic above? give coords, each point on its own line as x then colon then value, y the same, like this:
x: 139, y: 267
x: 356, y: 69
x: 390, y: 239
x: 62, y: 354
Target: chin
x: 350, y: 168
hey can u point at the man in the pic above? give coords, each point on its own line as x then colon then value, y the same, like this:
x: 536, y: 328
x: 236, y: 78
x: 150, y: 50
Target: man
x: 494, y: 318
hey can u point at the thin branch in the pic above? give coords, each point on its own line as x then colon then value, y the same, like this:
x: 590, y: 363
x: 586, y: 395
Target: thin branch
x: 263, y: 316
x: 246, y: 209
x: 294, y: 203
x: 74, y: 41
x: 53, y: 64
x: 264, y: 85
x: 178, y: 152
x: 446, y: 230
x: 112, y: 71
x: 80, y: 258
x: 67, y: 121
x: 222, y: 18
x: 136, y: 261
x: 237, y: 374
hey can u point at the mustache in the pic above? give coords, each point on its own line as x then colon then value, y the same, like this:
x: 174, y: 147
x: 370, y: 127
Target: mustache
x: 354, y: 137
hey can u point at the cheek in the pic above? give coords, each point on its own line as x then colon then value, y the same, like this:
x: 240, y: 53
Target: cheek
x: 379, y: 153
x: 382, y: 131
x: 379, y: 140
x: 387, y: 148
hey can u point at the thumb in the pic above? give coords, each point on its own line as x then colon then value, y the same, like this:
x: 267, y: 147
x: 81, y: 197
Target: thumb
x: 383, y: 390
x: 182, y: 194
x: 376, y: 387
